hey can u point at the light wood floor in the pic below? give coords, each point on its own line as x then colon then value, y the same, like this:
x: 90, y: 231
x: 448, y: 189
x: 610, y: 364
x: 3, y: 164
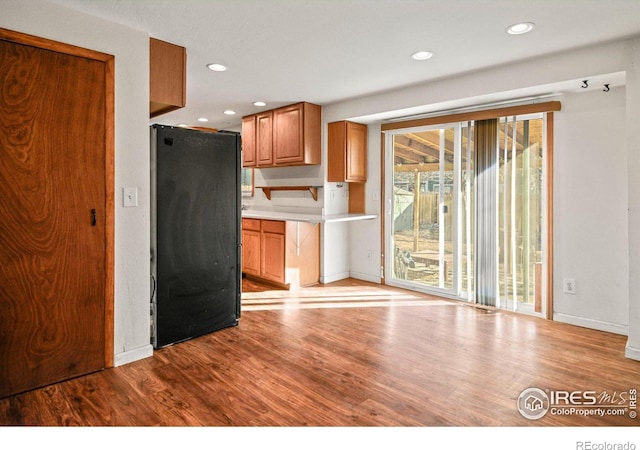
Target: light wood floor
x: 346, y: 354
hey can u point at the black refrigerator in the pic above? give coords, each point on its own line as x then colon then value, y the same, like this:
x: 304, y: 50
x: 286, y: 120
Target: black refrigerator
x: 195, y: 233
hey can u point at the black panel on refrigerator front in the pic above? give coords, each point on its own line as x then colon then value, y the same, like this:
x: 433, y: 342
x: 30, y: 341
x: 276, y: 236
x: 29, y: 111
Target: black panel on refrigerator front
x: 198, y: 226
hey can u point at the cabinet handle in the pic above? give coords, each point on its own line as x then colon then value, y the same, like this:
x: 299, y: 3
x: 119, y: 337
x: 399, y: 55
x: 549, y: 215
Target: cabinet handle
x: 93, y: 217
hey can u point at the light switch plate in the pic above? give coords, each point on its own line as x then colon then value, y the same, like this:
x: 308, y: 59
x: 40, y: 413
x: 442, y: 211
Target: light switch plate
x: 130, y: 196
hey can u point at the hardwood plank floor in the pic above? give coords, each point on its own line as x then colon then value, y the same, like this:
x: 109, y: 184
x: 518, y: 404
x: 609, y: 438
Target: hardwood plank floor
x: 347, y: 354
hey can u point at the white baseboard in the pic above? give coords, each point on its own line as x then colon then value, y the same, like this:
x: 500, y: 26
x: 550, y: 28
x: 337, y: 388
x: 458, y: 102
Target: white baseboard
x: 632, y: 352
x: 615, y: 328
x: 335, y: 277
x: 133, y: 355
x: 365, y: 277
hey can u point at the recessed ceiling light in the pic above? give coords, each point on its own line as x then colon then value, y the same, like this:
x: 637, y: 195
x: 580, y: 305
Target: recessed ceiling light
x: 229, y: 112
x: 217, y: 67
x: 422, y: 55
x: 521, y: 28
x: 202, y: 119
x: 182, y: 125
x: 259, y: 104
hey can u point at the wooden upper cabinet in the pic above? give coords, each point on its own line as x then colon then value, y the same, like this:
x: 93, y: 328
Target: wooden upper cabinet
x: 167, y: 77
x: 347, y: 153
x: 264, y: 138
x: 296, y: 134
x: 249, y: 141
x: 288, y: 136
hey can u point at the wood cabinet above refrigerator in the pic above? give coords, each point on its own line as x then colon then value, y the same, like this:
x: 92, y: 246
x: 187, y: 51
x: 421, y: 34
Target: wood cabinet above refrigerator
x: 167, y: 77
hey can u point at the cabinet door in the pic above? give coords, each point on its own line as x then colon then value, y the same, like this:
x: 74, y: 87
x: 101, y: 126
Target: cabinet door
x: 251, y: 252
x: 288, y: 136
x: 347, y: 152
x: 249, y: 141
x: 356, y: 157
x: 264, y: 138
x: 273, y: 254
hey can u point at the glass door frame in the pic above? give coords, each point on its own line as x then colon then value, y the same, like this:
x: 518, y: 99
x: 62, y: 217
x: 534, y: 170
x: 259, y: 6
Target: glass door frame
x: 455, y: 291
x: 514, y: 302
x: 472, y: 114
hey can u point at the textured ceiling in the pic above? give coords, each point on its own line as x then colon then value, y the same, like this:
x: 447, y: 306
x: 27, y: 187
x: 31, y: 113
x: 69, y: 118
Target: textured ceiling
x: 325, y: 51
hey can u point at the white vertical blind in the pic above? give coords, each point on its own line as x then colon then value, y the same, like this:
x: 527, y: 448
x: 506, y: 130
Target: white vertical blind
x: 467, y: 214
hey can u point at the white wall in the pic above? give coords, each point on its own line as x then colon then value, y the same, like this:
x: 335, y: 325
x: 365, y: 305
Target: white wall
x: 590, y: 210
x: 633, y: 171
x: 131, y: 50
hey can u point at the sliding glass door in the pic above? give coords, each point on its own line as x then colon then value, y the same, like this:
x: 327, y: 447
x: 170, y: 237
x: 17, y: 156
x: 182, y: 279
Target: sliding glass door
x: 521, y: 214
x: 478, y: 237
x: 430, y: 197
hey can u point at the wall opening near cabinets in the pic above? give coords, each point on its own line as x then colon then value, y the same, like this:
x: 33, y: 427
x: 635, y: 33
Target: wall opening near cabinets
x: 246, y: 181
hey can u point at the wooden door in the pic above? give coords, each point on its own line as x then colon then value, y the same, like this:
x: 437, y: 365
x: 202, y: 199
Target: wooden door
x: 251, y: 252
x: 347, y: 152
x: 273, y: 264
x: 272, y: 251
x: 55, y: 250
x: 356, y: 157
x: 264, y: 139
x: 249, y: 141
x: 288, y: 136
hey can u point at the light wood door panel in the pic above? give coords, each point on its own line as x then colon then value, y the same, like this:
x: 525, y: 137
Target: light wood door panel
x: 272, y: 255
x: 288, y: 145
x: 249, y: 141
x: 53, y: 216
x: 251, y: 252
x: 264, y: 138
x: 347, y: 152
x: 356, y: 157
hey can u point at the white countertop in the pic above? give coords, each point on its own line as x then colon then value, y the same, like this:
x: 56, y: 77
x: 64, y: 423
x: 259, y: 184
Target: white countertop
x: 302, y: 217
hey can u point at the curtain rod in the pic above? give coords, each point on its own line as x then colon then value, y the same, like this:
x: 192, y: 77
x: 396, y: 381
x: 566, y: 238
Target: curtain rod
x: 464, y: 109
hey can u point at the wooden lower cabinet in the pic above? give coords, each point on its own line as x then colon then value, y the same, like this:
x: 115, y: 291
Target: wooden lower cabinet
x: 286, y: 254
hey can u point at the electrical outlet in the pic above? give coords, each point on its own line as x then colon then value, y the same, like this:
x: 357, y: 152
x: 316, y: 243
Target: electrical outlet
x: 569, y: 286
